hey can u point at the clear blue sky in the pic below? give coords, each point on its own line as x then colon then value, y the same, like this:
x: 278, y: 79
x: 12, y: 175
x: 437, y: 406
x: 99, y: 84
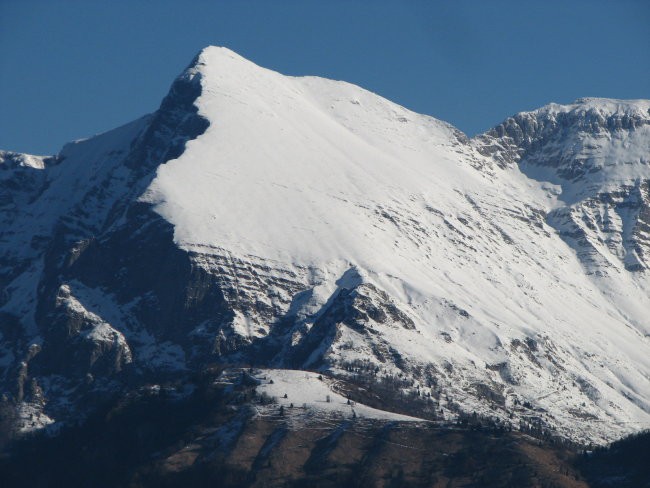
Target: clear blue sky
x: 69, y: 69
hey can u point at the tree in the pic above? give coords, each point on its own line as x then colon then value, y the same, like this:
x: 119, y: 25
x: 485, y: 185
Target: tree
x: 8, y: 419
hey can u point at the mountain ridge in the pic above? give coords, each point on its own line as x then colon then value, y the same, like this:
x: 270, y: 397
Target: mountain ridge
x: 309, y: 223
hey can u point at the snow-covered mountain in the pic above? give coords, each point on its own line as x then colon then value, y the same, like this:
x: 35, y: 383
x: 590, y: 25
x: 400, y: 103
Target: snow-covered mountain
x: 305, y: 223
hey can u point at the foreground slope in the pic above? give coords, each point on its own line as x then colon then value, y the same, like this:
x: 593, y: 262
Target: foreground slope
x: 310, y: 224
x: 212, y: 438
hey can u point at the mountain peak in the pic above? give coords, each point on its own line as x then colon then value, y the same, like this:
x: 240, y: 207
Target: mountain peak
x: 294, y: 142
x: 220, y: 63
x: 214, y: 69
x: 573, y: 129
x: 602, y: 106
x: 215, y: 52
x: 220, y: 57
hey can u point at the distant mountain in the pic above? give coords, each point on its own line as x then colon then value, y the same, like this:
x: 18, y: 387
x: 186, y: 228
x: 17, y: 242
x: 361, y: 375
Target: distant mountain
x: 263, y: 220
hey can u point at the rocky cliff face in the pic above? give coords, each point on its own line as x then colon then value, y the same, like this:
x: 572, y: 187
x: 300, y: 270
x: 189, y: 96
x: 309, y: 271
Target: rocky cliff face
x: 596, y: 151
x: 257, y: 219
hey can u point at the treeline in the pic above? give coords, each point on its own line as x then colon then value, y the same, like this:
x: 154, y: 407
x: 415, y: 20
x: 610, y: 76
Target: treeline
x: 625, y: 460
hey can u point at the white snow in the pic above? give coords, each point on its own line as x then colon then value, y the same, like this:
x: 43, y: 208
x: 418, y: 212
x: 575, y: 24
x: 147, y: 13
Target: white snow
x: 99, y: 331
x: 311, y: 391
x: 22, y: 160
x: 31, y: 418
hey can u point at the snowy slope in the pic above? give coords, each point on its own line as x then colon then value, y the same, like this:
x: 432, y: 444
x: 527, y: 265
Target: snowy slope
x: 594, y: 155
x: 310, y: 224
x: 308, y: 393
